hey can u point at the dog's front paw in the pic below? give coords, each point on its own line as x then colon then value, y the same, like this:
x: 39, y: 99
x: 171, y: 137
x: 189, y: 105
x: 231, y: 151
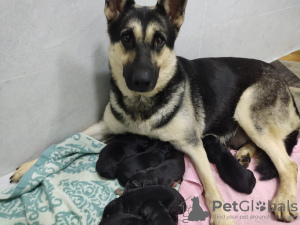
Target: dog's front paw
x: 20, y: 171
x: 284, y: 206
x: 218, y: 216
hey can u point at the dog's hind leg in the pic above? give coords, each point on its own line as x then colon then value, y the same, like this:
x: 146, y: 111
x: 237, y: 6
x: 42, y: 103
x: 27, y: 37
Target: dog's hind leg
x: 21, y: 171
x: 99, y: 131
x: 268, y: 115
x: 266, y: 167
x: 245, y: 153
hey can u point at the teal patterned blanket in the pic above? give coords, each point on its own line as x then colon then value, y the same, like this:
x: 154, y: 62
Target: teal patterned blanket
x: 63, y: 187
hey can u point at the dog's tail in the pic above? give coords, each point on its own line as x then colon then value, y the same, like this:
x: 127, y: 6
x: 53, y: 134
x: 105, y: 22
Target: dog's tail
x: 265, y: 166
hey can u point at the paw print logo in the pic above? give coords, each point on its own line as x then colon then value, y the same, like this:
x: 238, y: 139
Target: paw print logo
x: 261, y: 206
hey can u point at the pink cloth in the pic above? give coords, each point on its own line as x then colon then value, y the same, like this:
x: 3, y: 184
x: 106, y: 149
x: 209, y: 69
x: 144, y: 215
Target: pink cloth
x: 263, y: 191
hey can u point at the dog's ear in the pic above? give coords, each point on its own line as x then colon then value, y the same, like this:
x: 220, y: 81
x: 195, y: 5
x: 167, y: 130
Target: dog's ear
x: 175, y: 10
x: 113, y: 8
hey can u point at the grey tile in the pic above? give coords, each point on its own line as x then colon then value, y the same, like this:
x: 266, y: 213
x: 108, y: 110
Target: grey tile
x: 188, y: 45
x: 146, y: 2
x: 35, y: 34
x: 223, y: 12
x: 194, y: 17
x: 265, y: 37
x: 41, y: 109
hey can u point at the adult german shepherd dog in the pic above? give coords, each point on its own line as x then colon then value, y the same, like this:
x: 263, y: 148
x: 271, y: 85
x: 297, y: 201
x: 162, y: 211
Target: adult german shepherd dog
x: 157, y: 94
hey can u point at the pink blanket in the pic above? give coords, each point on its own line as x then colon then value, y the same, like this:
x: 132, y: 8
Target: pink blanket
x: 257, y: 201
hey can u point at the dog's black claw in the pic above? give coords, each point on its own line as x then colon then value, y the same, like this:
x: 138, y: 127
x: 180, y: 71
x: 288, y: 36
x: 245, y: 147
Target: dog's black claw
x: 245, y: 161
x: 17, y: 168
x: 11, y: 181
x: 11, y: 177
x: 245, y: 165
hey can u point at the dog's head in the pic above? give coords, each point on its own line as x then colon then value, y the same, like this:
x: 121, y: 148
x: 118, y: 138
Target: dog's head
x: 141, y: 54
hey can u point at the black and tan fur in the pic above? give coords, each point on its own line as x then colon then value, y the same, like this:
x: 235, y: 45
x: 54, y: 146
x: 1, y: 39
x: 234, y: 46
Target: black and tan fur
x: 157, y: 94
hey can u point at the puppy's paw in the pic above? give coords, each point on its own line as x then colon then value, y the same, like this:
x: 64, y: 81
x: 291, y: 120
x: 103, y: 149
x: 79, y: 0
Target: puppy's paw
x: 119, y: 191
x: 243, y: 157
x: 20, y: 171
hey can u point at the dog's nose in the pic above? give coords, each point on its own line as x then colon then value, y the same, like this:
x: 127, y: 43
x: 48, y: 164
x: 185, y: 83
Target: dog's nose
x: 142, y: 80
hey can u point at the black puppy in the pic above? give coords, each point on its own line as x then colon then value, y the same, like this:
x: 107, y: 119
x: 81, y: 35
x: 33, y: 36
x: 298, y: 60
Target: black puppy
x: 230, y: 170
x: 148, y: 161
x: 132, y: 200
x: 167, y: 173
x: 127, y: 157
x: 153, y: 155
x: 156, y: 213
x: 123, y: 219
x: 121, y: 147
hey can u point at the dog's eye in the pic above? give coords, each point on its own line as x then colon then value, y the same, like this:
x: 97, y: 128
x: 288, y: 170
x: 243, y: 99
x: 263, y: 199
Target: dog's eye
x: 160, y: 41
x: 126, y: 38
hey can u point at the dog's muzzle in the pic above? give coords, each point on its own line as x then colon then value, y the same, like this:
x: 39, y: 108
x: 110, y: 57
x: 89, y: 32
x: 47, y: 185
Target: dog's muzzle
x: 141, y: 80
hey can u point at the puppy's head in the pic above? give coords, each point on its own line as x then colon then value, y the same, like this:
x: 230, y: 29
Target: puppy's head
x: 115, y: 206
x: 155, y: 212
x: 124, y: 219
x: 142, y: 57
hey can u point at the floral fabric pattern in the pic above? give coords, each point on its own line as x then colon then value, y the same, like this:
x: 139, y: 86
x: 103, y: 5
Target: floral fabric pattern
x: 62, y: 187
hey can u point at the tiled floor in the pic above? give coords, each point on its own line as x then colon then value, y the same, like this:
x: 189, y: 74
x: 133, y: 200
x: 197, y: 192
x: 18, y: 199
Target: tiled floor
x: 292, y: 62
x: 294, y: 56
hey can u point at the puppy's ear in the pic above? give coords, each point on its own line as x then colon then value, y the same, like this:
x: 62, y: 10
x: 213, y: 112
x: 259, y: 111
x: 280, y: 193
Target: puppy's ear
x: 132, y: 184
x: 175, y: 10
x: 113, y: 8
